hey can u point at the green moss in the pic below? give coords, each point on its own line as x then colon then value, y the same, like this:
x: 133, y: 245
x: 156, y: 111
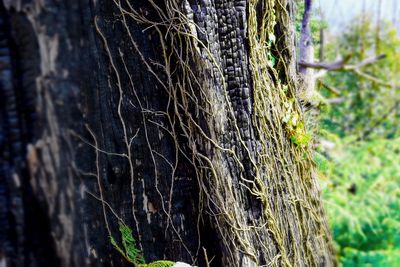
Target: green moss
x: 300, y: 138
x: 294, y: 126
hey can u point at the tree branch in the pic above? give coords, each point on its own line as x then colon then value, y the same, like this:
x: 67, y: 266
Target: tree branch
x: 376, y: 80
x: 365, y: 62
x: 336, y: 100
x: 330, y: 88
x: 341, y: 64
x: 336, y: 65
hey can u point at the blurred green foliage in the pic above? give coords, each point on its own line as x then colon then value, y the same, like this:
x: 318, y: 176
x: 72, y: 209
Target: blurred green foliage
x: 362, y: 197
x: 358, y: 157
x: 367, y: 108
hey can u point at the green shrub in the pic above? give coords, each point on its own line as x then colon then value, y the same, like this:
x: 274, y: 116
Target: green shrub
x: 362, y: 198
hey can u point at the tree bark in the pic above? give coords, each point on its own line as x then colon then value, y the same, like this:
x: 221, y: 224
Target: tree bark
x: 173, y: 117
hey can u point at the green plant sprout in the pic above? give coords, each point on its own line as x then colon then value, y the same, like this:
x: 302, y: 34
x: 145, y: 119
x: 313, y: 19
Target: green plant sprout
x: 131, y: 252
x: 295, y: 127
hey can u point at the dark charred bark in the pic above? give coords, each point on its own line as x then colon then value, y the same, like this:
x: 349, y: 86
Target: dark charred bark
x: 87, y: 132
x: 55, y: 81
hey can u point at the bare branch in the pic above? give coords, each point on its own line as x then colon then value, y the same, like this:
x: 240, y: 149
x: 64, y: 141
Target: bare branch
x: 336, y: 100
x: 365, y: 62
x: 376, y: 80
x: 337, y: 65
x: 330, y: 88
x: 341, y: 64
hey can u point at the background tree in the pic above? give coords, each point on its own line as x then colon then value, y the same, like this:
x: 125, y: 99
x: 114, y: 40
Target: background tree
x: 358, y: 152
x: 176, y: 120
x: 371, y: 92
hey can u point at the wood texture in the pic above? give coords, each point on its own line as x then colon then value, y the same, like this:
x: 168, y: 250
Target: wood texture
x: 86, y: 137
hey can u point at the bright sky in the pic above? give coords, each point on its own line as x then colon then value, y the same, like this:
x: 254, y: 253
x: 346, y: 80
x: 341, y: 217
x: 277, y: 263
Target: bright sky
x: 339, y: 13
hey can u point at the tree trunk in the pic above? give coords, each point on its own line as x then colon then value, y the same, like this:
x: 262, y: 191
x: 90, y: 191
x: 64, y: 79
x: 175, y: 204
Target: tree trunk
x: 175, y: 118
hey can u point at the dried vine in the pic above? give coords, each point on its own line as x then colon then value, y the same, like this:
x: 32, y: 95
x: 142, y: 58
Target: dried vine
x: 232, y: 100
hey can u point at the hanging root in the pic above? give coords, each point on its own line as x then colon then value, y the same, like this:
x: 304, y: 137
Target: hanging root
x: 232, y: 100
